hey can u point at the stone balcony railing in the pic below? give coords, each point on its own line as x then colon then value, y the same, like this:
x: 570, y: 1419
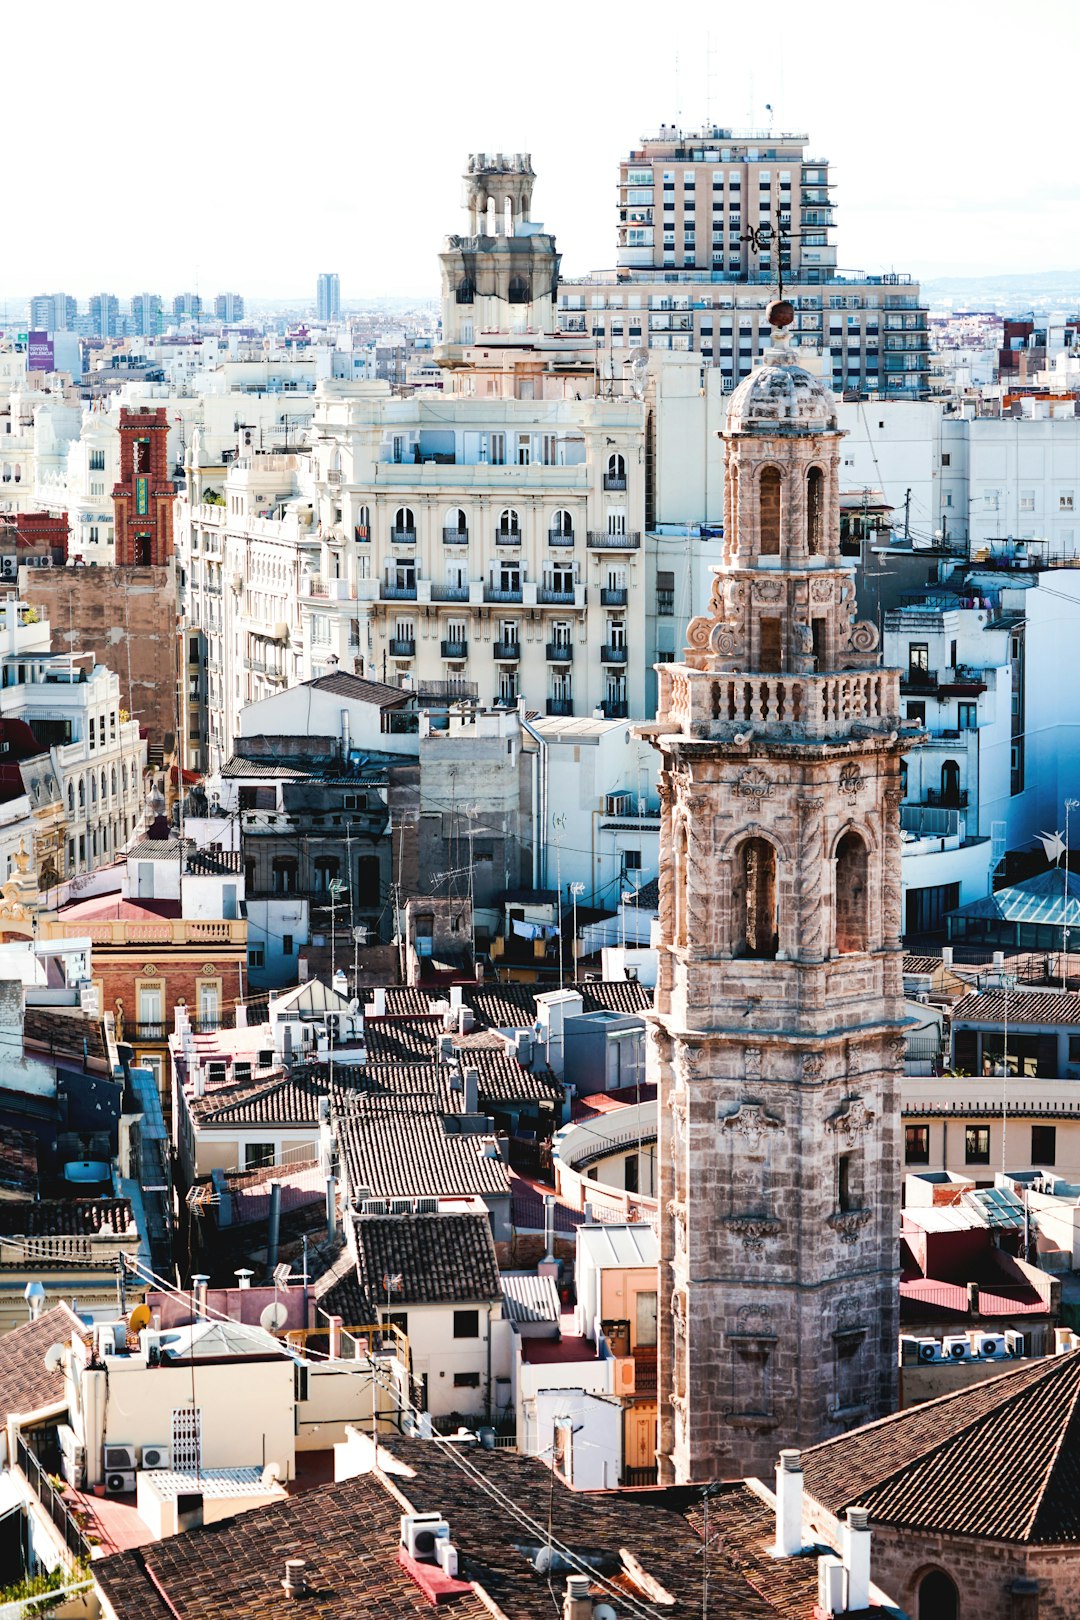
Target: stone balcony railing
x: 801, y: 706
x: 169, y: 931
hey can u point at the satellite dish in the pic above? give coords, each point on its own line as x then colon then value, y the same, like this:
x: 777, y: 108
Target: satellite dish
x: 139, y: 1318
x: 54, y: 1357
x: 275, y: 1316
x: 270, y: 1475
x: 603, y: 1611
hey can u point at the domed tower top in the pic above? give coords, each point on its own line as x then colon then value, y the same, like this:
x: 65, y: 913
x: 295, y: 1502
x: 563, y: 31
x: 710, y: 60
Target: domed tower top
x: 780, y: 396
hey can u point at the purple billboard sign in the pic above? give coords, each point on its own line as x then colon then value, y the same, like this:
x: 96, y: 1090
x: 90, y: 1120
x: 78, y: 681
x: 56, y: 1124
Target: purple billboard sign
x: 40, y: 355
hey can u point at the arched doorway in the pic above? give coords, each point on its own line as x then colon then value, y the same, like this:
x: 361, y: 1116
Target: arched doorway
x: 938, y: 1597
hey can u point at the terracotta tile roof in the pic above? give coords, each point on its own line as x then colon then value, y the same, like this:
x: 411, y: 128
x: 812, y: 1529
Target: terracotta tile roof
x: 58, y: 1030
x: 18, y: 1160
x: 1024, y: 1007
x: 441, y: 1259
x: 348, y: 1534
x: 402, y: 1149
x: 402, y: 1040
x: 65, y: 1217
x: 24, y: 1384
x: 342, y: 684
x: 513, y: 1006
x: 504, y: 1080
x: 999, y: 1460
x: 338, y: 1292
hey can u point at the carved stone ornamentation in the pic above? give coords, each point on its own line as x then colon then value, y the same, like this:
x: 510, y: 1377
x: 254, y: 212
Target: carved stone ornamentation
x: 755, y: 786
x: 754, y: 1229
x: 752, y: 1062
x: 812, y: 1065
x: 852, y: 781
x: 854, y: 1119
x: 768, y: 590
x: 698, y: 632
x: 753, y: 1319
x: 864, y: 636
x: 811, y: 864
x: 752, y: 1123
x: 848, y: 1223
x: 821, y: 590
x: 725, y: 640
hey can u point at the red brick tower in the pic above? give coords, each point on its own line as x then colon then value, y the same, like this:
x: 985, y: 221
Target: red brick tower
x: 143, y: 498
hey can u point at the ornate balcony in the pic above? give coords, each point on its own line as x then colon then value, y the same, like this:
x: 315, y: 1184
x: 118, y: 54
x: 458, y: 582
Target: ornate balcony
x: 402, y: 647
x: 600, y: 541
x: 507, y: 651
x: 559, y: 652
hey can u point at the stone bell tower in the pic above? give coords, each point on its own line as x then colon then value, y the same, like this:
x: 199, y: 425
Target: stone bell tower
x: 776, y: 1041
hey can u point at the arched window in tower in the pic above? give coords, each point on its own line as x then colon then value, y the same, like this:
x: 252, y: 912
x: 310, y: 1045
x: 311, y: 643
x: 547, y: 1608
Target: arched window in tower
x: 509, y: 524
x: 938, y: 1597
x: 756, y: 918
x: 489, y: 217
x: 562, y: 525
x: 465, y: 292
x: 950, y: 783
x: 615, y: 477
x: 815, y: 512
x: 519, y: 290
x: 769, y: 512
x: 681, y: 869
x: 851, y: 894
x: 363, y: 523
x: 508, y: 217
x: 456, y: 526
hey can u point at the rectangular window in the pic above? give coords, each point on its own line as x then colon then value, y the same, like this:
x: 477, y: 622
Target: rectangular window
x: 665, y: 593
x: 286, y: 945
x: 466, y: 1324
x: 466, y: 1380
x: 258, y: 1154
x: 977, y: 1144
x: 632, y: 860
x: 967, y: 716
x: 916, y: 1144
x: 845, y: 1193
x: 255, y: 956
x: 1044, y: 1144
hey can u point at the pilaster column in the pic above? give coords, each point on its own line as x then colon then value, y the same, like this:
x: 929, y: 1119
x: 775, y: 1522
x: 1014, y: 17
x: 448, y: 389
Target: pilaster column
x: 811, y: 945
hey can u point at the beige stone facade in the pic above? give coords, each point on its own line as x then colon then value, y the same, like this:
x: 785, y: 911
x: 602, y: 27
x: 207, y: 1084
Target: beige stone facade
x: 776, y: 1039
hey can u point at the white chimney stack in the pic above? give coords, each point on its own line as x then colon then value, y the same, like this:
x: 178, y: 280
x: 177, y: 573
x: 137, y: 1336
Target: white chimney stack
x: 243, y: 1277
x: 789, y: 1504
x: 855, y: 1546
x: 378, y: 1001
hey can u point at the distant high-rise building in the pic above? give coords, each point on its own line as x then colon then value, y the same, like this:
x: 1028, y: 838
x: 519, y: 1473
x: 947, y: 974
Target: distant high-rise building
x: 104, y: 315
x: 146, y: 314
x: 229, y: 307
x: 187, y: 306
x: 710, y: 222
x: 53, y: 312
x: 328, y: 296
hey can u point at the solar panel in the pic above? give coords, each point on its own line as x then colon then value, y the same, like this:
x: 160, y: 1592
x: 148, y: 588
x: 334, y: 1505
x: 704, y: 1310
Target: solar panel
x: 1000, y: 1208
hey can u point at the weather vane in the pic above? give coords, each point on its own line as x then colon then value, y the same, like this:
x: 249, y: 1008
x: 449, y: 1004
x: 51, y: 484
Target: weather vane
x: 760, y: 239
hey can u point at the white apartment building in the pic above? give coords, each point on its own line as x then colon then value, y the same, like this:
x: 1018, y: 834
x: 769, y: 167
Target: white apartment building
x: 1012, y: 479
x: 957, y: 682
x: 484, y: 542
x: 73, y: 708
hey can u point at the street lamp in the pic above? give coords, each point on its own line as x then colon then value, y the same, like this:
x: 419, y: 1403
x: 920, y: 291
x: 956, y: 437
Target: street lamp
x: 576, y: 889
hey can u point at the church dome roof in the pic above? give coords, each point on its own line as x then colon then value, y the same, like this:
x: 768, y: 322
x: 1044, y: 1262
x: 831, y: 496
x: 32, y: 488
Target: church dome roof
x: 779, y: 393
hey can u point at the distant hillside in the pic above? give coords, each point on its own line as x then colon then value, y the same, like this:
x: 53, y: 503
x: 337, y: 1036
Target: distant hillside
x: 1038, y: 290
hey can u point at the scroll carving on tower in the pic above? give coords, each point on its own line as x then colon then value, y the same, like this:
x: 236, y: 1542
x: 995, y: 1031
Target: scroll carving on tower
x: 853, y: 1121
x: 752, y: 1123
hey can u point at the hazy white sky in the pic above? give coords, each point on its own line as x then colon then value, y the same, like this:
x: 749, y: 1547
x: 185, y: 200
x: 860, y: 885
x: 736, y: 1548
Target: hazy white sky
x: 249, y: 145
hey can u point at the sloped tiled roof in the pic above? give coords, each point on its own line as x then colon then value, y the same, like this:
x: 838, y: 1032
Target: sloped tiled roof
x: 441, y: 1259
x: 1020, y: 1006
x: 403, y: 1150
x: 513, y: 1006
x: 998, y: 1460
x: 338, y: 1292
x: 342, y: 684
x: 348, y: 1535
x: 25, y: 1386
x: 65, y: 1217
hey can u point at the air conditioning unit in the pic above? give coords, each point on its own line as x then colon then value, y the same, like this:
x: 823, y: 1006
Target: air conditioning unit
x: 121, y: 1482
x: 111, y: 1338
x: 421, y: 1534
x: 156, y: 1457
x: 930, y: 1350
x: 991, y: 1345
x: 117, y: 1458
x: 73, y: 1456
x: 1014, y: 1342
x: 956, y: 1348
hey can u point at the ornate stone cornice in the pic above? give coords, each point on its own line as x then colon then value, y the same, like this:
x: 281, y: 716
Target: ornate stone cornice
x: 848, y: 1223
x: 852, y: 1121
x: 754, y: 1229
